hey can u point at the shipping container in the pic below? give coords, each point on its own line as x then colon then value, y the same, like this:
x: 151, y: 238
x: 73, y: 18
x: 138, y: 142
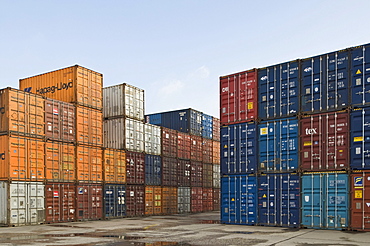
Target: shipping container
x: 360, y: 63
x: 89, y: 126
x: 60, y: 202
x: 196, y: 199
x: 239, y: 199
x: 153, y: 200
x: 169, y: 200
x: 196, y: 174
x: 325, y: 82
x: 360, y: 139
x: 114, y: 166
x: 153, y: 170
x: 238, y: 97
x: 183, y: 172
x: 278, y: 200
x: 196, y: 150
x: 207, y: 126
x: 216, y: 199
x: 22, y: 203
x: 184, y: 200
x: 216, y: 176
x: 183, y: 145
x: 239, y: 148
x: 324, y: 203
x: 216, y: 152
x: 89, y: 201
x: 216, y: 129
x: 207, y: 199
x: 89, y: 163
x: 360, y: 201
x: 207, y: 175
x: 169, y: 171
x: 207, y: 148
x: 73, y: 84
x: 124, y: 133
x: 22, y: 158
x: 123, y: 100
x: 152, y: 139
x: 135, y: 168
x: 278, y: 145
x: 60, y: 121
x: 135, y: 200
x: 115, y: 200
x: 324, y: 142
x: 60, y: 161
x: 22, y: 113
x: 278, y: 90
x: 169, y: 142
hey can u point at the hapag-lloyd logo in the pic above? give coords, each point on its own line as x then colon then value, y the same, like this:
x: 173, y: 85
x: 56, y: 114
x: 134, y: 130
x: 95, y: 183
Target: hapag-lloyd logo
x: 311, y: 131
x: 51, y: 89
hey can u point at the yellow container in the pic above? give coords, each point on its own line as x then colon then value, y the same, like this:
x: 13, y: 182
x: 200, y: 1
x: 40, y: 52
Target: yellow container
x: 114, y: 165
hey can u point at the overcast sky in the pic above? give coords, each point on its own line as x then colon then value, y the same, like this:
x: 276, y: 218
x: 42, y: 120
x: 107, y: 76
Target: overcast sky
x: 175, y: 50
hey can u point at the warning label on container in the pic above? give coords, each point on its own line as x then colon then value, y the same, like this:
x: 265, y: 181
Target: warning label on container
x: 250, y: 105
x: 264, y: 131
x: 358, y: 182
x: 358, y: 193
x: 358, y: 139
x: 358, y: 71
x: 264, y: 196
x: 307, y: 143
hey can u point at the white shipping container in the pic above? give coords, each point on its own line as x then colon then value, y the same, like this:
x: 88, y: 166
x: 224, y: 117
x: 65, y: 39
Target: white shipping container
x: 124, y: 133
x: 123, y: 100
x: 183, y: 200
x: 22, y: 203
x: 216, y: 176
x: 152, y: 138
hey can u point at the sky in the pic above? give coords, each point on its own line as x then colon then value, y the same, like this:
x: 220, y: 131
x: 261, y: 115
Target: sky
x: 175, y: 50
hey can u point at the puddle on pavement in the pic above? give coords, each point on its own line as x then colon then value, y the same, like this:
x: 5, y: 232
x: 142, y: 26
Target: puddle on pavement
x: 209, y: 222
x: 243, y: 232
x: 69, y: 226
x: 291, y: 229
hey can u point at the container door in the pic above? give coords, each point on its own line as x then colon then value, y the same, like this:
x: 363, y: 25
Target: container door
x: 36, y: 202
x: 360, y: 139
x: 360, y: 75
x: 312, y: 86
x: 360, y: 208
x: 18, y: 193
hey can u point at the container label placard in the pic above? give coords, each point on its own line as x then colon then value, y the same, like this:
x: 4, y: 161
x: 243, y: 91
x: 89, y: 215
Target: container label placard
x: 358, y: 193
x: 358, y: 182
x: 358, y: 139
x: 250, y: 105
x: 307, y: 143
x: 264, y: 131
x: 56, y: 193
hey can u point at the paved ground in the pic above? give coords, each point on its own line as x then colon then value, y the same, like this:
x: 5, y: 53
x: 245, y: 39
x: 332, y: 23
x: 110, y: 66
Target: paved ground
x: 194, y: 229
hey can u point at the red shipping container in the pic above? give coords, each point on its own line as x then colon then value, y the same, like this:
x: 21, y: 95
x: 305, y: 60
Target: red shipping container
x: 324, y: 142
x: 196, y: 174
x: 169, y: 171
x: 216, y: 199
x: 89, y: 201
x: 135, y: 200
x: 238, y: 97
x: 216, y: 129
x: 196, y: 199
x: 183, y: 145
x: 196, y: 150
x: 60, y: 202
x: 135, y: 167
x: 183, y: 172
x: 207, y: 147
x: 207, y: 199
x: 207, y: 175
x: 169, y: 142
x: 360, y: 200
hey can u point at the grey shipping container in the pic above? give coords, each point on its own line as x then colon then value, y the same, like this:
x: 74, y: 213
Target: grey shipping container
x: 184, y: 198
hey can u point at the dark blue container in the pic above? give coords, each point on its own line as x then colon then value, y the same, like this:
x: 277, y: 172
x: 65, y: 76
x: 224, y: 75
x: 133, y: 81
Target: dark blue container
x: 325, y: 82
x: 239, y: 148
x: 278, y: 146
x: 114, y: 200
x: 153, y: 170
x: 154, y: 119
x: 278, y: 200
x: 360, y: 139
x: 207, y: 126
x: 325, y: 201
x: 278, y: 91
x: 360, y: 73
x: 239, y: 199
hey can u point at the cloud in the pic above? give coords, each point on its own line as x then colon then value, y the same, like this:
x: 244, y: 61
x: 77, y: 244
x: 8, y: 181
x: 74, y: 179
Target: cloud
x: 201, y: 73
x: 171, y: 87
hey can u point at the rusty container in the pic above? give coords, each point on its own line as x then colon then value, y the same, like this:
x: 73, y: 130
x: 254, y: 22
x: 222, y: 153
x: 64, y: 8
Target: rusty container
x: 216, y: 152
x: 207, y: 199
x: 60, y: 162
x: 114, y: 166
x: 196, y: 199
x: 196, y: 174
x: 169, y: 171
x: 169, y: 142
x: 169, y: 200
x: 207, y: 149
x: 360, y: 200
x: 207, y: 175
x: 216, y: 129
x: 135, y: 200
x: 89, y: 126
x: 60, y: 120
x: 89, y: 201
x: 22, y: 158
x: 21, y: 113
x: 153, y: 200
x: 135, y: 168
x: 89, y: 163
x: 216, y: 199
x: 183, y: 172
x: 196, y: 150
x: 60, y: 202
x: 183, y: 145
x: 74, y: 84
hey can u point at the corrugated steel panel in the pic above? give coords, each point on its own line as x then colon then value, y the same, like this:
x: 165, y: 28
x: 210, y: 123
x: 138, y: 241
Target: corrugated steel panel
x: 324, y: 142
x: 183, y: 172
x: 196, y: 199
x: 325, y: 82
x: 360, y: 201
x: 360, y: 139
x: 153, y: 170
x: 135, y: 197
x: 196, y: 150
x: 115, y: 200
x: 278, y: 200
x: 89, y: 163
x: 216, y: 152
x: 278, y: 90
x: 216, y: 176
x: 207, y: 175
x: 184, y: 200
x: 207, y: 149
x: 114, y: 166
x: 239, y: 148
x: 216, y: 129
x: 216, y: 199
x: 89, y: 126
x: 238, y: 97
x: 89, y: 201
x: 152, y: 139
x: 74, y: 84
x: 325, y: 203
x: 183, y: 145
x: 169, y: 171
x: 278, y: 145
x: 60, y: 162
x: 196, y: 174
x: 169, y: 200
x: 123, y: 100
x: 207, y: 126
x: 207, y: 199
x: 239, y: 199
x: 135, y: 168
x: 153, y: 200
x: 154, y: 119
x: 169, y: 142
x: 360, y: 86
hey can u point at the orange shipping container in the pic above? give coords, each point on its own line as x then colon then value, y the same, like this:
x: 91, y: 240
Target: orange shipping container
x: 74, y: 84
x: 21, y: 158
x: 60, y: 162
x: 216, y: 152
x: 89, y: 163
x: 22, y: 113
x: 153, y: 200
x: 89, y: 126
x: 169, y: 198
x: 114, y: 163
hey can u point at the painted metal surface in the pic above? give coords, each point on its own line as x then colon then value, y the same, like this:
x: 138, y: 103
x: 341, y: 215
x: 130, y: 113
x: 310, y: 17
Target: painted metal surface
x: 169, y: 200
x: 183, y: 145
x: 153, y: 170
x: 183, y: 200
x: 216, y: 176
x: 216, y: 158
x: 89, y: 163
x: 135, y: 200
x: 114, y: 166
x: 207, y: 199
x: 207, y: 175
x: 207, y: 126
x: 216, y: 199
x: 325, y: 200
x: 360, y: 201
x: 135, y: 168
x: 153, y: 200
x: 183, y: 172
x: 169, y: 142
x: 216, y: 129
x: 89, y: 126
x: 196, y: 174
x: 360, y: 139
x: 169, y: 171
x: 152, y: 139
x: 207, y: 149
x: 196, y: 148
x: 360, y: 75
x: 89, y: 201
x: 114, y: 200
x: 196, y: 199
x: 60, y: 162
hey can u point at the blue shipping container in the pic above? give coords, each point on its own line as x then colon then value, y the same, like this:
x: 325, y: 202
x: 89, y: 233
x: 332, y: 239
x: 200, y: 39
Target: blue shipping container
x: 278, y: 145
x: 325, y: 82
x: 154, y: 119
x: 360, y: 139
x: 207, y: 126
x: 278, y: 90
x: 153, y: 170
x: 239, y: 199
x: 278, y: 200
x: 239, y: 148
x: 360, y: 73
x: 115, y: 200
x: 325, y: 203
